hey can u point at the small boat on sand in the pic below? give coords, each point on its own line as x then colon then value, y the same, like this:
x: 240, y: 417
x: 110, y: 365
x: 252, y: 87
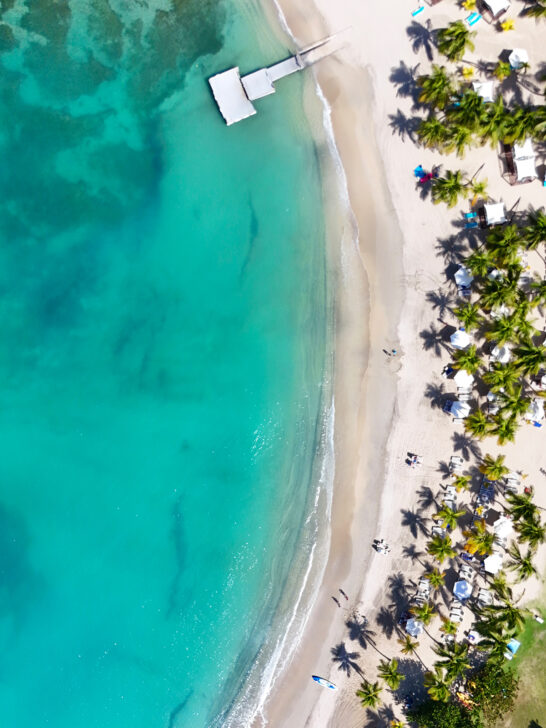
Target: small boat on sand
x: 324, y: 682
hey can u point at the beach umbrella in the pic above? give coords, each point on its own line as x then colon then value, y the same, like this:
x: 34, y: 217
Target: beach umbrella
x: 492, y: 563
x: 460, y: 339
x: 462, y: 590
x: 414, y: 627
x: 460, y: 409
x: 495, y: 213
x: 503, y: 527
x: 497, y: 7
x: 502, y: 354
x: 536, y: 410
x: 484, y: 89
x: 463, y: 378
x: 463, y: 277
x: 518, y: 57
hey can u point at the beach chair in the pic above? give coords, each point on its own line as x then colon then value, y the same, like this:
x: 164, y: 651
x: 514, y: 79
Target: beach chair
x: 472, y: 19
x: 458, y: 420
x: 455, y: 464
x: 470, y: 215
x: 451, y: 492
x: 470, y: 225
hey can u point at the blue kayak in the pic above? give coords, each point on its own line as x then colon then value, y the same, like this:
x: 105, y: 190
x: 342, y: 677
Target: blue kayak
x: 324, y: 682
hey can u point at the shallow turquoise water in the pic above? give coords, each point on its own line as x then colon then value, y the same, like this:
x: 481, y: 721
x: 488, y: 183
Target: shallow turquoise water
x: 163, y: 317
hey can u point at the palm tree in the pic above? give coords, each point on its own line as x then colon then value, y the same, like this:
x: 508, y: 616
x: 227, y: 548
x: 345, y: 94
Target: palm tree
x: 497, y: 292
x: 538, y: 10
x: 448, y: 627
x: 455, y: 659
x: 500, y: 586
x: 479, y: 263
x: 458, y: 138
x: 494, y: 468
x: 503, y: 329
x: 448, y: 189
x: 539, y: 290
x: 479, y: 540
x: 501, y: 377
x: 519, y: 124
x: 468, y: 359
x: 477, y: 424
x: 479, y: 189
x: 369, y: 694
x: 502, y: 70
x: 514, y: 402
x: 520, y: 563
x: 493, y: 121
x: 424, y: 612
x: 494, y: 641
x: 532, y: 532
x: 530, y: 358
x: 468, y: 112
x: 441, y: 548
x: 396, y: 724
x: 448, y: 517
x: 461, y: 482
x: 469, y: 315
x: 521, y: 507
x: 503, y: 243
x: 432, y: 133
x: 504, y: 428
x: 437, y: 89
x: 454, y: 40
x: 535, y: 231
x: 388, y: 670
x: 437, y: 685
x: 408, y: 646
x: 436, y: 578
x: 505, y: 615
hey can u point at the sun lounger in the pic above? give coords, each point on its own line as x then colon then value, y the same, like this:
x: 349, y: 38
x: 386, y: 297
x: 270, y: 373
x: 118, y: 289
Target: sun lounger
x: 451, y: 492
x: 456, y: 617
x: 456, y: 463
x: 470, y: 225
x: 472, y: 19
x: 470, y: 215
x: 438, y: 531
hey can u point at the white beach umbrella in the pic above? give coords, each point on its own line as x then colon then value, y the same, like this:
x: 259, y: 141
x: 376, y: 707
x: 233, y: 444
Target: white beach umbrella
x: 518, y: 57
x: 463, y: 277
x: 525, y: 168
x: 503, y: 527
x: 460, y: 409
x: 460, y: 339
x: 524, y: 151
x: 497, y: 6
x: 414, y: 627
x: 492, y: 563
x: 463, y: 378
x: 495, y: 213
x: 536, y: 410
x: 462, y: 589
x: 502, y: 354
x: 484, y: 89
x: 500, y: 311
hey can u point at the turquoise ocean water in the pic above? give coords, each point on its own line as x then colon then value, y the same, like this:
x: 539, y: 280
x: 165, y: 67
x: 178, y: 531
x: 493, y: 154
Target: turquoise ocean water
x: 163, y: 317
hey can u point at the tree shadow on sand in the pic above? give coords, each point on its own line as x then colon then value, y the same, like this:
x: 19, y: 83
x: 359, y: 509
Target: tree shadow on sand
x: 398, y: 590
x: 414, y: 672
x: 436, y: 394
x: 386, y: 621
x: 380, y: 718
x: 403, y: 77
x: 421, y: 38
x: 440, y: 301
x: 433, y: 340
x: 426, y: 496
x: 361, y: 633
x: 466, y: 445
x: 404, y: 126
x: 412, y: 552
x: 451, y: 249
x: 414, y: 521
x: 346, y: 661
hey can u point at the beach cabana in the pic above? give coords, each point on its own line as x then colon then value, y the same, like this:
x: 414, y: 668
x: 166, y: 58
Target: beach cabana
x: 463, y: 378
x: 414, y: 627
x: 494, y: 213
x: 502, y: 354
x: 496, y: 7
x: 524, y: 161
x: 493, y: 563
x: 535, y: 413
x: 460, y: 409
x: 463, y: 277
x: 484, y: 89
x: 518, y: 58
x: 460, y: 339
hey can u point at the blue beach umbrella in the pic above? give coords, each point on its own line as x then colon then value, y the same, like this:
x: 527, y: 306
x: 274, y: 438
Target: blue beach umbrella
x: 462, y: 590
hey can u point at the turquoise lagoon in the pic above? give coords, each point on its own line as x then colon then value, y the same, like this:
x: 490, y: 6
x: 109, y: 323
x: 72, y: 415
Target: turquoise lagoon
x: 164, y: 325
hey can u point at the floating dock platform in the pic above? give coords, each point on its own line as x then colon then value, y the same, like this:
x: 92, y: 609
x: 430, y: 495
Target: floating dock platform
x: 234, y: 93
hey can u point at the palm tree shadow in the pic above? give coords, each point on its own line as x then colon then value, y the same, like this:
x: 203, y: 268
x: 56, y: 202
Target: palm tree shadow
x: 443, y: 468
x: 451, y: 249
x: 404, y: 125
x: 414, y: 521
x: 433, y: 339
x: 386, y: 621
x: 420, y: 37
x: 436, y: 394
x: 440, y: 300
x: 466, y: 445
x: 346, y: 660
x: 403, y: 77
x: 398, y: 590
x: 414, y: 674
x: 412, y: 552
x: 380, y: 718
x: 427, y: 498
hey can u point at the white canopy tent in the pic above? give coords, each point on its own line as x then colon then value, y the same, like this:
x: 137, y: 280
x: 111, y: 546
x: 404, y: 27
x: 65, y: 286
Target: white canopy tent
x: 463, y: 277
x: 484, y: 89
x: 535, y: 413
x: 497, y: 7
x: 493, y: 563
x: 525, y: 150
x: 460, y: 409
x: 463, y: 378
x: 518, y: 58
x: 460, y: 339
x: 525, y: 169
x: 502, y: 354
x: 495, y: 213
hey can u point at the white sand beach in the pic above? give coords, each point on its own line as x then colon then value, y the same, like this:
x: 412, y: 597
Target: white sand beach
x: 394, y: 290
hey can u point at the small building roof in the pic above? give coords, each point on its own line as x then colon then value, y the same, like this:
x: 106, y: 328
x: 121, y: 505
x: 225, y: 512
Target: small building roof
x: 230, y: 96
